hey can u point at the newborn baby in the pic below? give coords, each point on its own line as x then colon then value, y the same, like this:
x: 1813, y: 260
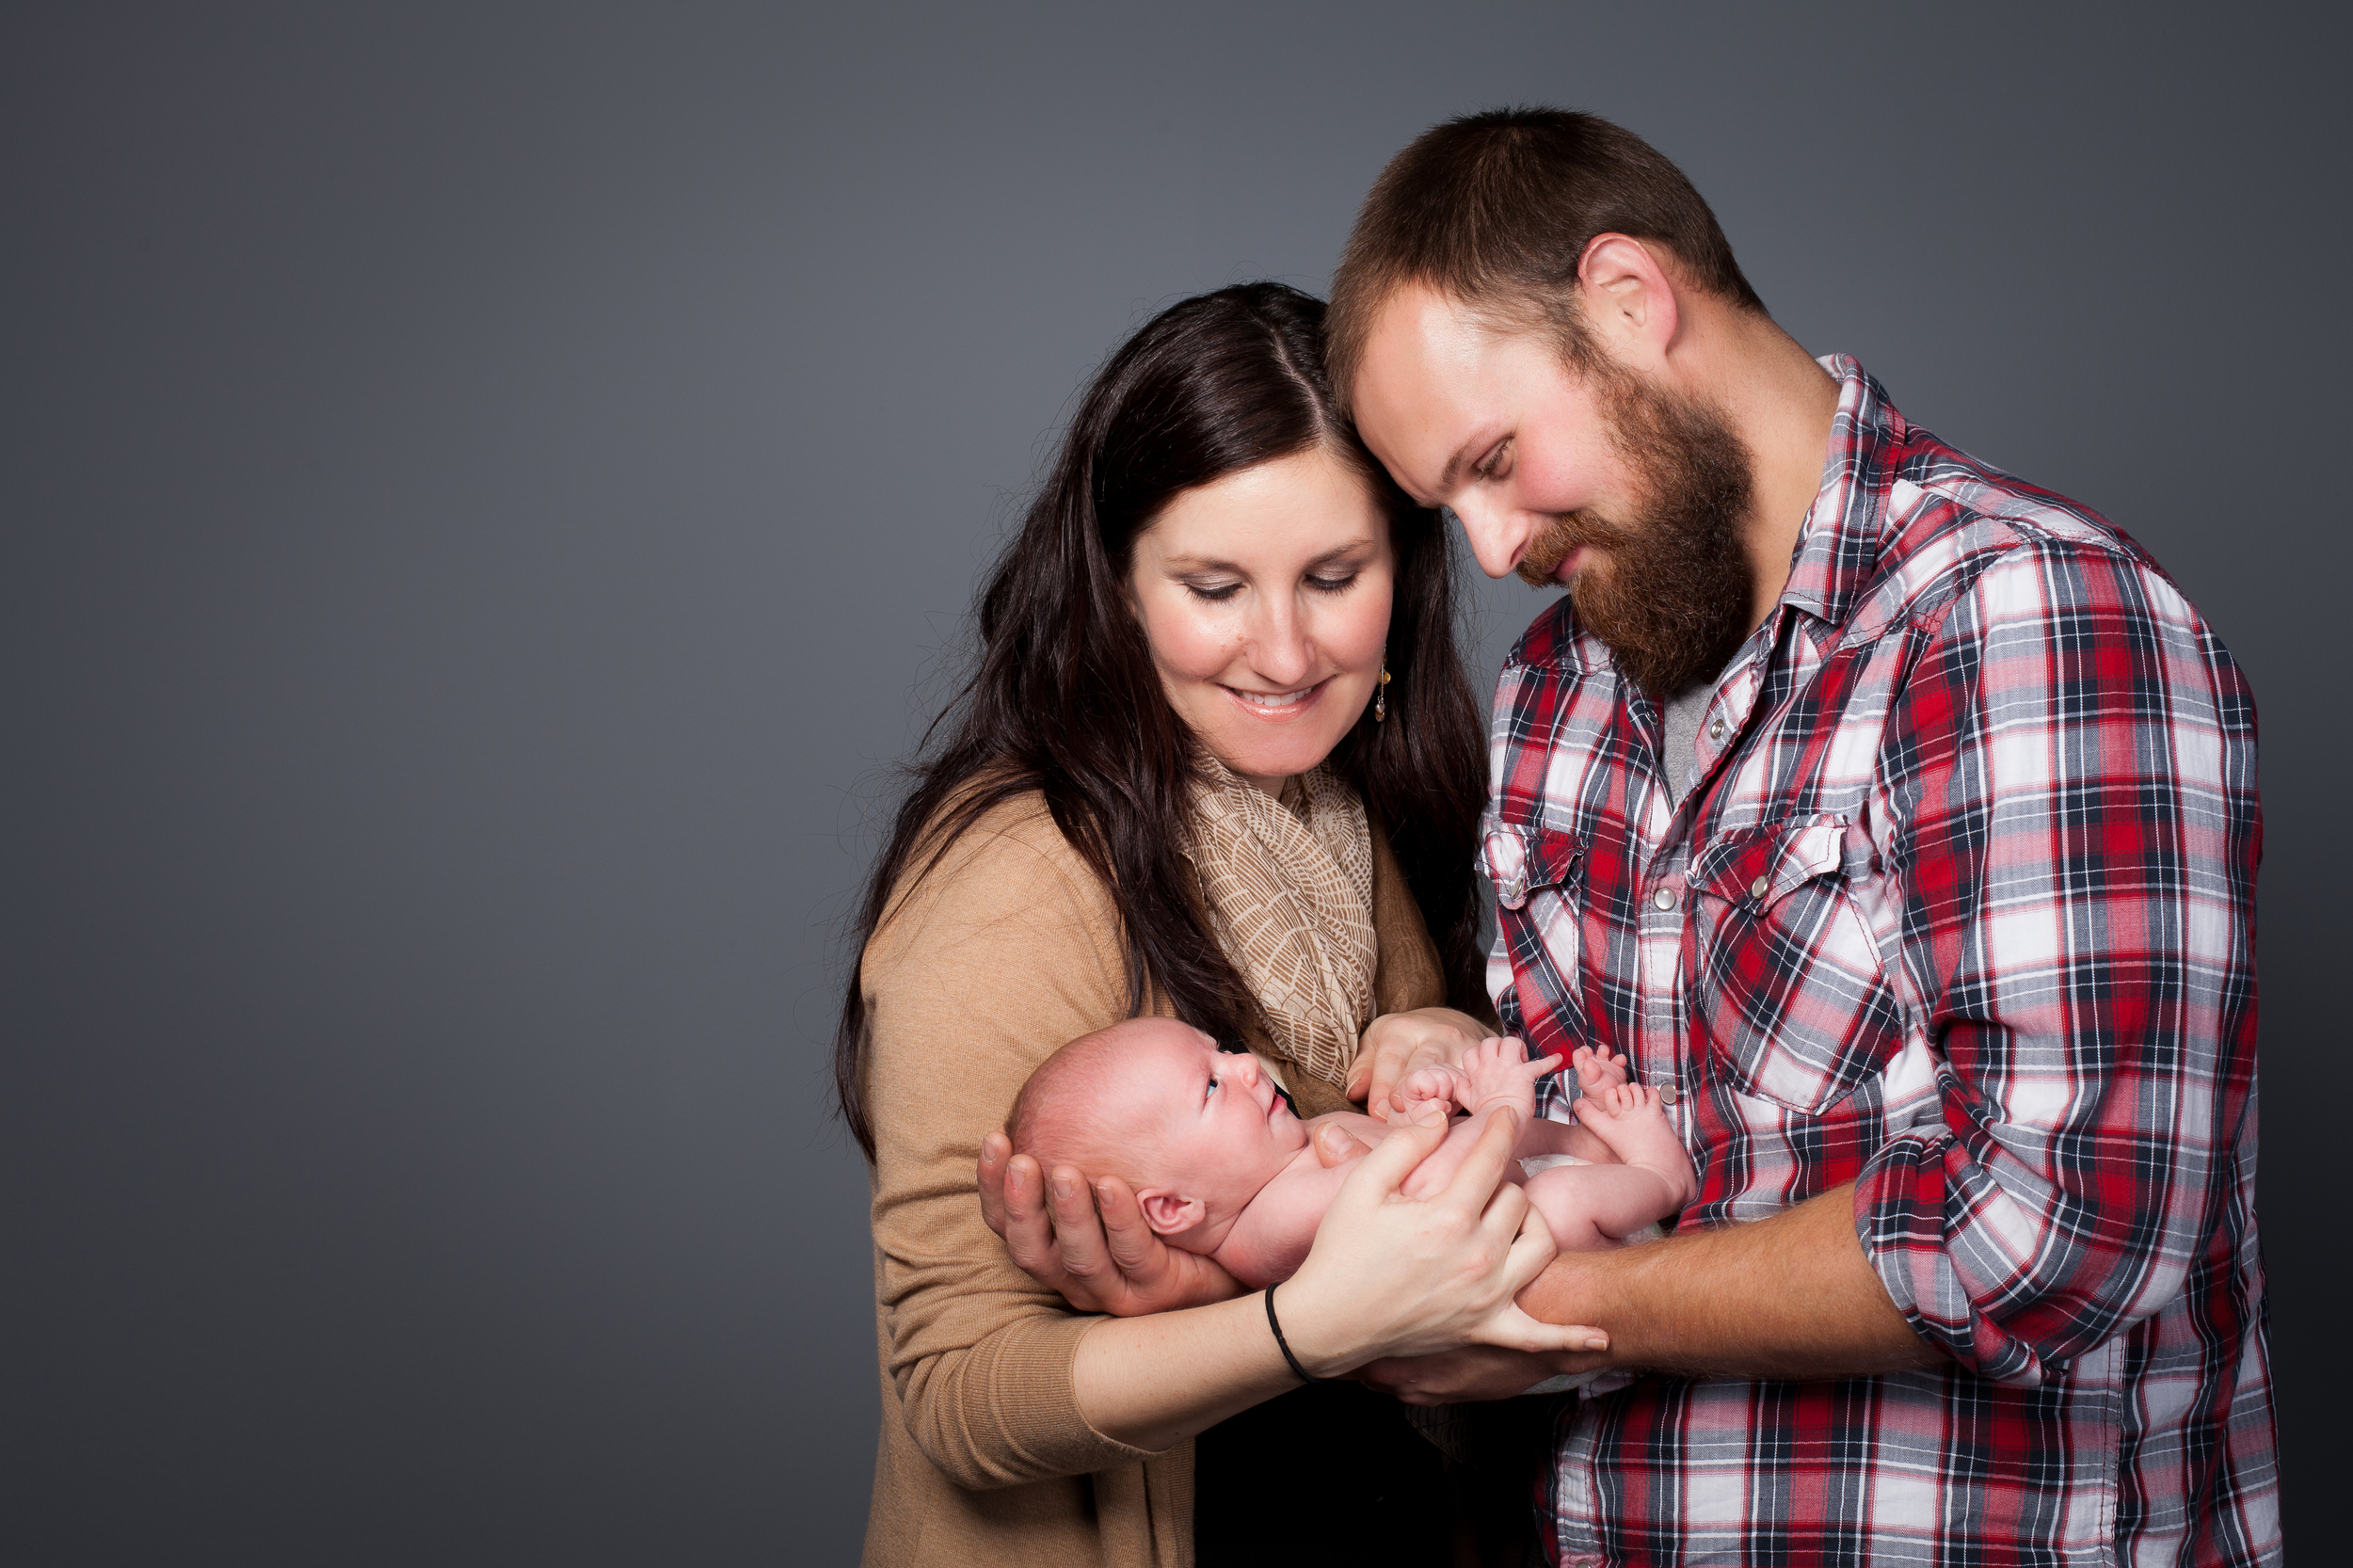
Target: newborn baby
x: 1219, y: 1164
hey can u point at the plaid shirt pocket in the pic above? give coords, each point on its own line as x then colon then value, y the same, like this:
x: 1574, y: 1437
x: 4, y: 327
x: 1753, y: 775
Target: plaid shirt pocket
x: 1786, y: 984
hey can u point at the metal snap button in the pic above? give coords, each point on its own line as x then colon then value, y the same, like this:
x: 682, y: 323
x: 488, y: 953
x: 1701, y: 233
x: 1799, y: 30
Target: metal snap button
x: 1760, y: 887
x: 1668, y: 1093
x: 1664, y: 898
x: 1716, y: 730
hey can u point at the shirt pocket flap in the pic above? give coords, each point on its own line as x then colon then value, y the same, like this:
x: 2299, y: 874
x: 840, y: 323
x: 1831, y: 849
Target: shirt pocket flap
x: 1519, y: 858
x: 1756, y: 867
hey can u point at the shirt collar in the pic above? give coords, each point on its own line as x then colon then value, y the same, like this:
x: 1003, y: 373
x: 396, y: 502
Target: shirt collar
x: 1839, y: 547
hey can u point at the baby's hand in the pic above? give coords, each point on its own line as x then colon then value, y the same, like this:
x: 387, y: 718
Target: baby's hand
x: 1597, y: 1069
x: 1500, y: 1074
x: 1438, y: 1088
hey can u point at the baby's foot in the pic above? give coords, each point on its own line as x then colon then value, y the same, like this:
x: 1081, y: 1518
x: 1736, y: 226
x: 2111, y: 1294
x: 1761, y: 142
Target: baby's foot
x: 1500, y: 1074
x: 1630, y: 1118
x: 1597, y: 1068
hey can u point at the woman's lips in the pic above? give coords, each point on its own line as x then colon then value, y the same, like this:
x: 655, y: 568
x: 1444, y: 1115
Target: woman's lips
x: 1275, y: 707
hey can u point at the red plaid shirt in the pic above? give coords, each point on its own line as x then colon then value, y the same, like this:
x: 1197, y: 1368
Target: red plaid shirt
x: 1958, y: 908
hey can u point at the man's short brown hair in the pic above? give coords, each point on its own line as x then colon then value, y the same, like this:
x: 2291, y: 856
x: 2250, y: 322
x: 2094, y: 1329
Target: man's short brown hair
x: 1494, y: 210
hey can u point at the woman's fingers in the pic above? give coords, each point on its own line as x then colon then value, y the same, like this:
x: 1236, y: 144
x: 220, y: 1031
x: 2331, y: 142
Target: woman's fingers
x: 996, y: 1149
x: 1513, y: 1329
x: 1478, y: 1182
x: 1077, y: 1230
x: 1336, y: 1146
x: 1136, y: 1250
x: 1384, y: 1170
x: 1455, y: 1377
x: 1396, y: 1044
x: 1029, y: 1228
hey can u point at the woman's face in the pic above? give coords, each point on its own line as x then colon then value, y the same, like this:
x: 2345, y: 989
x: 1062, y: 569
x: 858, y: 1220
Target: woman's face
x: 1265, y: 597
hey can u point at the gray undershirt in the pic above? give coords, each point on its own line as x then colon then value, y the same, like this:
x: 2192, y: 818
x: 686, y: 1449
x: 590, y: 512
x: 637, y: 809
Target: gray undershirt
x: 1679, y: 722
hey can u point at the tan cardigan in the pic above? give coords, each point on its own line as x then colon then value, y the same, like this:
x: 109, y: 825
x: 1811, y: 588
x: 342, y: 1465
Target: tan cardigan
x: 1008, y: 949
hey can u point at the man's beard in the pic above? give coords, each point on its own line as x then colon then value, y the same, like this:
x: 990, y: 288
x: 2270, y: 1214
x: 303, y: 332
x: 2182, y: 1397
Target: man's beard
x: 1671, y: 598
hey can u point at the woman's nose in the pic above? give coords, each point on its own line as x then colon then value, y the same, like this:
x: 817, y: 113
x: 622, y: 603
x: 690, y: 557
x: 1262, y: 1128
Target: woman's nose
x: 1280, y: 652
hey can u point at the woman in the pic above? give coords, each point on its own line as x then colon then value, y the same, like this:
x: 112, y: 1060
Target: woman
x: 1218, y: 762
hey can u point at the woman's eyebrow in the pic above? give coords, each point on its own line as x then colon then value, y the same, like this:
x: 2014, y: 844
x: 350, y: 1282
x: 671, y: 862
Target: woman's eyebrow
x: 1207, y: 563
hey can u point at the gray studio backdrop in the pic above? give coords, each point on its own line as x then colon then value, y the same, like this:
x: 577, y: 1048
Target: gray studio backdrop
x: 489, y: 490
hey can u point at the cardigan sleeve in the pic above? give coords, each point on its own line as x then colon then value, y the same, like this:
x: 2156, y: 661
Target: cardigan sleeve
x: 1006, y: 950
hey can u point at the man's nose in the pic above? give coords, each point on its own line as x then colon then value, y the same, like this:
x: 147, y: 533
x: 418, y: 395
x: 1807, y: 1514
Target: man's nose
x: 1498, y: 535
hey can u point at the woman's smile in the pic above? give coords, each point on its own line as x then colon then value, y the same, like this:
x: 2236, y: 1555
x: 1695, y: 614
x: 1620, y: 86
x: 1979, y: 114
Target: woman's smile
x: 1278, y: 706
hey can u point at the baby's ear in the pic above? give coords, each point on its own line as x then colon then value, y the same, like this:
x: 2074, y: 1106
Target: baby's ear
x: 1169, y: 1214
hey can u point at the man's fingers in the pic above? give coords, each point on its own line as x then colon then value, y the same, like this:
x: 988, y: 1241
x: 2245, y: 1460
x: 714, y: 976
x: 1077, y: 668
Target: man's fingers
x: 995, y: 1150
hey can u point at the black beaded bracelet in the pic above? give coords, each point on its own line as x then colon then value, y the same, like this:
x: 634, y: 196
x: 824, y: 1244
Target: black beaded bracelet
x: 1283, y: 1345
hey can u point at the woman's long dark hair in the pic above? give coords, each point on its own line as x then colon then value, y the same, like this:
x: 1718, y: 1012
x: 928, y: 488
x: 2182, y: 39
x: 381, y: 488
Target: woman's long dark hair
x: 1066, y: 702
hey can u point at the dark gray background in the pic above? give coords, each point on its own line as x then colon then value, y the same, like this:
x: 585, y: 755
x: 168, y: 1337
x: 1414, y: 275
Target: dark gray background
x: 488, y: 490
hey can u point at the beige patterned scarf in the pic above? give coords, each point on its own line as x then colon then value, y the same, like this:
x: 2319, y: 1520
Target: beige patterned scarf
x: 1290, y: 889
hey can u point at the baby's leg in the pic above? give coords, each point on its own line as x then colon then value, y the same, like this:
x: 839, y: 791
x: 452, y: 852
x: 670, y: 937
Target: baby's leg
x: 1630, y: 1118
x: 1594, y: 1207
x: 1540, y: 1136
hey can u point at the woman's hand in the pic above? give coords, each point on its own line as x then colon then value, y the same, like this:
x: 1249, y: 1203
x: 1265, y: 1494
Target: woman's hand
x: 1092, y: 1246
x: 1391, y: 1276
x: 1396, y: 1044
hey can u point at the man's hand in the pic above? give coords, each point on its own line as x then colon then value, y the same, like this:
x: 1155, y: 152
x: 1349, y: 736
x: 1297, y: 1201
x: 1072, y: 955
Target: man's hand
x: 1091, y: 1245
x: 1396, y: 1043
x: 1473, y: 1373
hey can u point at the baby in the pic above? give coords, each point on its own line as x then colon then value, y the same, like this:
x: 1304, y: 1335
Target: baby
x: 1219, y: 1164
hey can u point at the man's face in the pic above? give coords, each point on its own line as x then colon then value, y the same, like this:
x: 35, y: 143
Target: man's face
x: 1633, y: 498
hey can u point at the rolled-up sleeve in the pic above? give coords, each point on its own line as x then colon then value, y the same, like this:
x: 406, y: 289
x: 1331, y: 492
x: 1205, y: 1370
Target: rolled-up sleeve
x: 2072, y: 768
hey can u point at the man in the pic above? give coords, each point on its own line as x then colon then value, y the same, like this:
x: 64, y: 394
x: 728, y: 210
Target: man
x: 1897, y: 820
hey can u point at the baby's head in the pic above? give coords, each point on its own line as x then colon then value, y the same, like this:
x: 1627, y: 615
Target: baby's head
x: 1196, y: 1131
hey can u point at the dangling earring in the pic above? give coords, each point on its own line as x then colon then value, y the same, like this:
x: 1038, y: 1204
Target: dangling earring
x: 1380, y: 693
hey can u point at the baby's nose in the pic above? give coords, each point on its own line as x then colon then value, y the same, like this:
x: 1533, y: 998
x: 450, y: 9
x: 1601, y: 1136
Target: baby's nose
x: 1246, y: 1068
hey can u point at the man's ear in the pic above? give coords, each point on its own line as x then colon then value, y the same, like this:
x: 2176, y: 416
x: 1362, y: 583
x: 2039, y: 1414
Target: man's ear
x: 1167, y: 1213
x: 1629, y: 300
